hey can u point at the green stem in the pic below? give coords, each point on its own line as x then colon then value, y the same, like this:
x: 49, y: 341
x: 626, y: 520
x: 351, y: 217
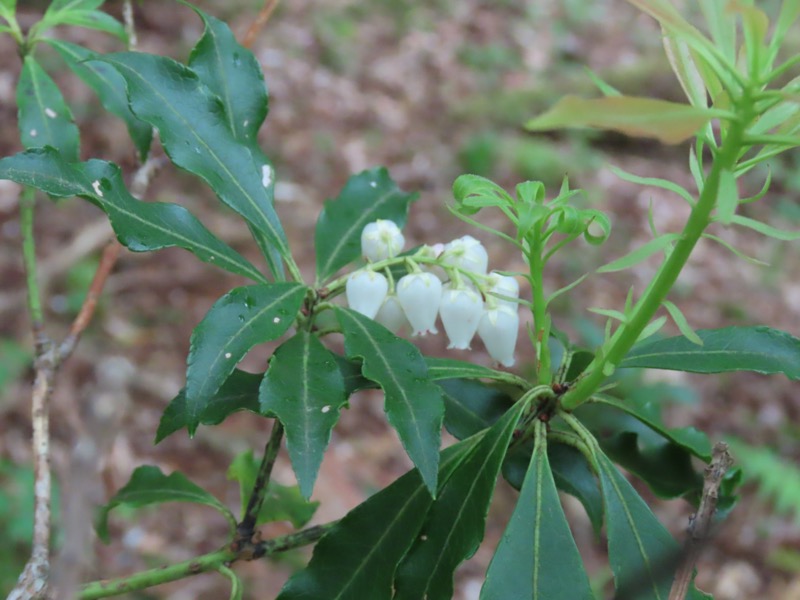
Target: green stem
x: 536, y: 263
x: 26, y: 207
x: 613, y: 351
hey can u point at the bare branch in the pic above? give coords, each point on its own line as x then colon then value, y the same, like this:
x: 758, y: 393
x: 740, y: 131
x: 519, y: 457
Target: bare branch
x: 261, y: 20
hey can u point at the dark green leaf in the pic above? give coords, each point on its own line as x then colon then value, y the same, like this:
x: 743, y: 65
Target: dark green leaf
x: 109, y: 87
x: 455, y: 524
x: 281, y: 502
x: 44, y: 117
x: 140, y: 226
x: 641, y: 552
x: 471, y: 406
x: 242, y: 318
x: 305, y: 389
x: 414, y: 404
x: 758, y: 349
x: 358, y: 557
x: 537, y: 549
x: 93, y: 19
x: 193, y: 127
x: 448, y: 368
x: 571, y: 472
x: 366, y: 197
x: 148, y: 485
x: 239, y: 392
x: 351, y: 373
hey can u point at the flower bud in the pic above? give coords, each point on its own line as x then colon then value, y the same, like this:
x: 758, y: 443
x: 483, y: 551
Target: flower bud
x: 380, y: 240
x: 467, y: 253
x: 505, y: 286
x: 498, y: 328
x: 365, y: 291
x: 391, y: 314
x: 461, y: 309
x: 419, y: 295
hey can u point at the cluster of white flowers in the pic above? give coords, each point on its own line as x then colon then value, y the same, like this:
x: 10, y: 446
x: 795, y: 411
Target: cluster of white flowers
x: 421, y: 296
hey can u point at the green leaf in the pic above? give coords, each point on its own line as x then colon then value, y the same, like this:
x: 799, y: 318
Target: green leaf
x: 471, y: 406
x: 455, y: 524
x: 358, y: 557
x: 473, y: 192
x: 304, y: 388
x: 239, y: 392
x: 44, y: 117
x: 60, y: 5
x: 414, y: 404
x: 683, y: 65
x: 109, y: 87
x: 139, y: 226
x: 354, y: 381
x: 281, y: 502
x: 641, y: 253
x: 760, y: 349
x: 449, y: 368
x: 239, y: 320
x: 366, y: 197
x: 92, y: 19
x: 764, y: 229
x: 537, y: 548
x: 193, y: 128
x: 641, y: 552
x: 665, y: 184
x: 682, y: 323
x: 148, y: 485
x: 571, y: 472
x: 669, y: 122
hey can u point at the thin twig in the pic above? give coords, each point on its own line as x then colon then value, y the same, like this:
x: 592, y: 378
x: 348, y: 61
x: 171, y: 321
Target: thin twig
x: 130, y: 25
x: 700, y: 524
x: 261, y: 20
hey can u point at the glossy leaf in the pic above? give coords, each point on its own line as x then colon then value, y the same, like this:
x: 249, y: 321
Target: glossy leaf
x: 537, y: 548
x: 109, y: 87
x: 669, y: 122
x: 239, y: 392
x: 148, y: 485
x: 471, y: 406
x: 281, y: 502
x: 91, y: 19
x: 358, y: 557
x: 354, y: 381
x: 304, y: 388
x: 414, y: 405
x: 760, y: 349
x: 139, y: 226
x: 641, y: 552
x: 193, y: 128
x: 366, y: 197
x: 455, y: 524
x: 242, y: 318
x: 44, y: 117
x: 449, y: 368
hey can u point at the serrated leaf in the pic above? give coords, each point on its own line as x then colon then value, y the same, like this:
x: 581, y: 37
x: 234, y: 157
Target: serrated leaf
x: 537, y: 547
x: 44, y: 117
x: 471, y: 406
x: 304, y: 388
x: 455, y: 524
x: 760, y: 349
x: 239, y: 320
x: 683, y: 325
x: 92, y: 19
x: 358, y: 557
x: 668, y: 122
x: 641, y: 253
x: 366, y: 197
x: 281, y: 502
x: 239, y: 392
x: 148, y: 485
x: 641, y: 552
x: 139, y: 226
x: 192, y: 126
x: 109, y: 87
x: 414, y: 405
x: 571, y: 472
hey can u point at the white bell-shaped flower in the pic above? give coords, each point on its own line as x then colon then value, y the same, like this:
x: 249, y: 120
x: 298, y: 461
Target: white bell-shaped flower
x: 391, y: 314
x: 505, y: 286
x: 498, y: 328
x: 365, y: 291
x: 381, y: 240
x: 467, y: 253
x: 419, y: 295
x: 461, y: 309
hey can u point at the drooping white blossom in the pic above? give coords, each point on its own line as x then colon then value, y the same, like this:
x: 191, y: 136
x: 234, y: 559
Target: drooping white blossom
x: 466, y: 253
x: 498, y: 328
x: 461, y: 309
x: 419, y: 295
x: 391, y: 314
x: 381, y: 239
x: 505, y: 286
x: 365, y: 292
